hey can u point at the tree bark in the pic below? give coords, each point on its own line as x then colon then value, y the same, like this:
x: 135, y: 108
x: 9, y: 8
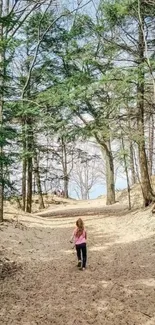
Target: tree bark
x: 1, y: 115
x: 24, y: 162
x: 151, y: 144
x: 65, y: 167
x: 110, y: 182
x: 148, y: 195
x: 38, y: 182
x: 132, y: 165
x: 29, y: 164
x: 66, y: 181
x: 127, y: 174
x: 29, y: 138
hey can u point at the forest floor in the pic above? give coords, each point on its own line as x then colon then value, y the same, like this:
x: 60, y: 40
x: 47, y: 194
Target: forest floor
x: 40, y: 283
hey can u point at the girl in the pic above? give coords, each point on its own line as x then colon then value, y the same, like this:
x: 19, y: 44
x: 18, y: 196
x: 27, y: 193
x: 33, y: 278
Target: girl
x: 79, y: 237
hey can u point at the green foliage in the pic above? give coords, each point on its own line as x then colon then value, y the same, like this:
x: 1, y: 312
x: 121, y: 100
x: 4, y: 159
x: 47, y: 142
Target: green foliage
x: 115, y: 11
x: 80, y: 82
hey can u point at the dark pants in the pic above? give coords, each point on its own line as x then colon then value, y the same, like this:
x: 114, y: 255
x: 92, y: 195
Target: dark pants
x: 82, y: 253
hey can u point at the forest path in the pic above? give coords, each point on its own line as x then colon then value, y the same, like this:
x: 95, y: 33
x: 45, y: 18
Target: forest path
x: 43, y: 286
x: 84, y: 208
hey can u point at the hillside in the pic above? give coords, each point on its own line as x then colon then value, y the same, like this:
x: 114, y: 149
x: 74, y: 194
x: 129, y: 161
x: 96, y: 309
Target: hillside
x: 54, y: 203
x: 136, y: 195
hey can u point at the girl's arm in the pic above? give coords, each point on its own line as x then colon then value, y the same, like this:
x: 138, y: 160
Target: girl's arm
x: 72, y: 237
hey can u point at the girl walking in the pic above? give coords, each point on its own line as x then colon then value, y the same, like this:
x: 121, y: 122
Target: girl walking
x: 79, y: 237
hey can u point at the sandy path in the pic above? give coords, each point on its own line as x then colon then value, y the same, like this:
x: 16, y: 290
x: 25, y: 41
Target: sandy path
x: 86, y: 208
x: 80, y: 211
x: 118, y: 287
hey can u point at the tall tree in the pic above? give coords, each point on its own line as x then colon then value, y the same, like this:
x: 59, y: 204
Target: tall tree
x: 145, y: 180
x: 1, y: 110
x: 130, y: 28
x: 81, y: 89
x: 13, y: 15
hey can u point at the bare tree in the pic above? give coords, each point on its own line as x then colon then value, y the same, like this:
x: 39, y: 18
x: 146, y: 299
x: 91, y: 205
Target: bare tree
x: 86, y: 174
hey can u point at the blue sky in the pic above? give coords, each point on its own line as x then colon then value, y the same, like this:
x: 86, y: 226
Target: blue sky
x: 101, y: 189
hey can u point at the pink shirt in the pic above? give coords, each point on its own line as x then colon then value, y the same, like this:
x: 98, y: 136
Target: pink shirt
x: 81, y: 239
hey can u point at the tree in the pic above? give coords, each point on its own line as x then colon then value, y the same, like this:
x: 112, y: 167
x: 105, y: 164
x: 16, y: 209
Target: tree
x: 63, y: 154
x: 37, y: 31
x: 1, y: 114
x: 86, y: 174
x: 38, y: 181
x: 130, y: 27
x: 145, y: 180
x: 76, y: 77
x: 82, y: 92
x: 13, y: 16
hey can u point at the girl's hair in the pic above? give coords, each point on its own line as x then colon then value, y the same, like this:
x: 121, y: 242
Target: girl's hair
x: 80, y: 227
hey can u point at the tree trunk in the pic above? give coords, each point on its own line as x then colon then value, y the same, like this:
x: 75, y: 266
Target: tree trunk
x: 148, y: 195
x: 24, y: 167
x: 29, y: 164
x: 24, y: 183
x: 151, y: 143
x: 127, y: 174
x: 66, y: 181
x: 1, y: 116
x: 65, y: 167
x: 110, y: 182
x: 132, y: 165
x: 34, y: 185
x: 38, y: 182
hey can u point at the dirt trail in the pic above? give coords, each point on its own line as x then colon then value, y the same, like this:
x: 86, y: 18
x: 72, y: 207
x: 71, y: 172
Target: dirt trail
x: 43, y: 286
x: 75, y: 212
x: 86, y: 208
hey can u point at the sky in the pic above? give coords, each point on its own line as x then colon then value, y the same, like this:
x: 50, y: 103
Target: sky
x: 99, y: 189
x: 89, y: 8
